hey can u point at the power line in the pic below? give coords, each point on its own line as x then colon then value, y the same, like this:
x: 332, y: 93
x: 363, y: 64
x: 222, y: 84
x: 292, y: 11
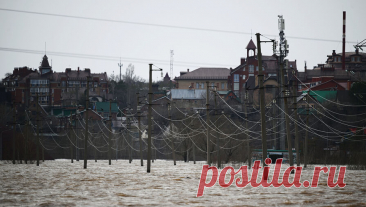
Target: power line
x: 104, y: 57
x: 161, y: 25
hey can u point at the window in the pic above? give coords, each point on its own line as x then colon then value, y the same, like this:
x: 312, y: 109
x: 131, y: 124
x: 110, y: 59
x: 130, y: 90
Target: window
x: 358, y: 59
x: 256, y: 68
x: 244, y: 69
x: 202, y: 85
x: 222, y: 85
x: 339, y: 59
x: 212, y: 84
x: 244, y: 77
x: 352, y: 59
x: 251, y: 68
x: 236, y: 77
x: 197, y: 85
x: 236, y: 86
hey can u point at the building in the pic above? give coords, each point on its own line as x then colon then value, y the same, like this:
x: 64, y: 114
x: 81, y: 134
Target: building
x: 331, y: 76
x: 217, y: 77
x: 54, y: 88
x: 238, y: 77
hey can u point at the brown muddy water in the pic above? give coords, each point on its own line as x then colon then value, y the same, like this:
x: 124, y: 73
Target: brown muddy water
x: 61, y: 183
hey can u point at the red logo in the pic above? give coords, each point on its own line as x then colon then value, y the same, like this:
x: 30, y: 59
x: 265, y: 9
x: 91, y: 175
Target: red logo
x: 244, y: 180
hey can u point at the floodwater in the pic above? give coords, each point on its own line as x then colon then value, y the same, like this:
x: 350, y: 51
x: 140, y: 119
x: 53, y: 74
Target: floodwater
x: 61, y: 183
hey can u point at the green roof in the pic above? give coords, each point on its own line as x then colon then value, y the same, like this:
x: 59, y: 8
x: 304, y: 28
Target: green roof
x: 104, y: 107
x: 322, y: 96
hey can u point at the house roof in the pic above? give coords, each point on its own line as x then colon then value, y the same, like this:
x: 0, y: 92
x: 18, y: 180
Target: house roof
x: 104, y: 107
x: 193, y: 94
x: 206, y: 74
x: 250, y: 84
x: 251, y: 45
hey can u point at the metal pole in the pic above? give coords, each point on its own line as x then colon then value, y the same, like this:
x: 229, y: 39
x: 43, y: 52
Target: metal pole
x: 262, y: 103
x: 14, y: 130
x: 149, y: 121
x: 296, y: 128
x: 207, y: 121
x: 110, y: 133
x: 86, y: 125
x: 37, y: 117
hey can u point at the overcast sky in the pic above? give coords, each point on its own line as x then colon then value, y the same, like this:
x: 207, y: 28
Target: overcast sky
x: 201, y: 33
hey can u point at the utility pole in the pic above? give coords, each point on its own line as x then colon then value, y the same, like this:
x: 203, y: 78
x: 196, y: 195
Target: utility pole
x: 120, y: 69
x: 306, y: 131
x: 86, y: 124
x: 149, y: 117
x: 129, y: 135
x: 110, y: 133
x: 194, y: 148
x: 26, y: 141
x: 217, y: 136
x: 138, y: 109
x: 149, y: 121
x: 294, y: 88
x: 71, y: 146
x: 262, y: 103
x: 246, y: 129
x: 283, y: 54
x: 14, y: 129
x: 170, y: 130
x: 37, y: 118
x: 207, y: 121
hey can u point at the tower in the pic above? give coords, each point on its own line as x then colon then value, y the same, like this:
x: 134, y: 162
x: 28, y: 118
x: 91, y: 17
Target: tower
x: 251, y: 47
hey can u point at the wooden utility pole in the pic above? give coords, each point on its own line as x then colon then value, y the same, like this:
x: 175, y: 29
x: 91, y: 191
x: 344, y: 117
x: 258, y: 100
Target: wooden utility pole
x: 130, y: 138
x: 86, y: 125
x: 294, y: 88
x: 286, y: 93
x: 171, y: 130
x: 262, y: 103
x: 246, y: 130
x: 138, y: 109
x: 37, y: 118
x: 217, y: 135
x: 71, y: 145
x: 26, y: 142
x: 14, y: 130
x: 149, y: 121
x: 194, y: 149
x: 207, y: 121
x: 110, y: 133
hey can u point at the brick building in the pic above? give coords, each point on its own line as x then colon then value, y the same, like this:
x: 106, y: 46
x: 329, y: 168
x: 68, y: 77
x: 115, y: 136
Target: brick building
x: 53, y: 88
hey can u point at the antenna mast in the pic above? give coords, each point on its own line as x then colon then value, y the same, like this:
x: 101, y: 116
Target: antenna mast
x: 120, y: 69
x: 171, y: 63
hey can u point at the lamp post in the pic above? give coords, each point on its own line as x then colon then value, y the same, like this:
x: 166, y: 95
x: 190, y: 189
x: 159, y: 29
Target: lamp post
x: 149, y: 116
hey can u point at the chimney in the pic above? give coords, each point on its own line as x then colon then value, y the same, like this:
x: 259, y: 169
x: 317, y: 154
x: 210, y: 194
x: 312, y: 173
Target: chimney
x: 356, y: 51
x: 78, y: 70
x: 333, y: 53
x: 242, y: 61
x: 344, y: 42
x: 188, y: 70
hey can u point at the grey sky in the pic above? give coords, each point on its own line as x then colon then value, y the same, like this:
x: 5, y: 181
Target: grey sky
x: 140, y: 44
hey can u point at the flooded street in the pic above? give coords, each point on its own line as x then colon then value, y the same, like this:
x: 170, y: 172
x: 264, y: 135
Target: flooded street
x: 62, y: 183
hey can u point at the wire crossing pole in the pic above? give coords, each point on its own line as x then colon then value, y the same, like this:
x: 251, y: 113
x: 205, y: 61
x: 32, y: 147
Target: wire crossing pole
x: 86, y: 124
x: 110, y: 133
x: 261, y: 88
x: 207, y: 121
x: 149, y: 121
x: 14, y: 130
x: 138, y: 109
x: 294, y: 88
